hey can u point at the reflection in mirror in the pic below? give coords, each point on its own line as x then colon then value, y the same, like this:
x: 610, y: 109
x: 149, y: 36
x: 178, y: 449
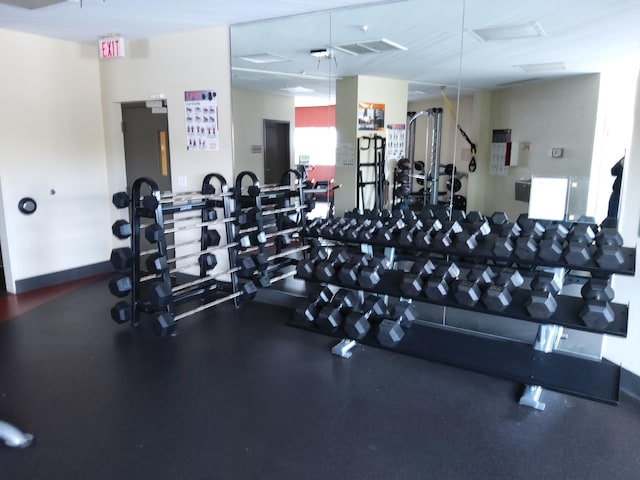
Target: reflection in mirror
x: 269, y: 76
x: 550, y: 83
x: 562, y: 87
x: 365, y: 44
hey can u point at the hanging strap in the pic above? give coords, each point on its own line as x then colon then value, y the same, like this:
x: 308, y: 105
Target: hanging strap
x: 472, y: 163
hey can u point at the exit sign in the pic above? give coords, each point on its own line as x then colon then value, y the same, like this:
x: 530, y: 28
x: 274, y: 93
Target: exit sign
x: 111, y: 47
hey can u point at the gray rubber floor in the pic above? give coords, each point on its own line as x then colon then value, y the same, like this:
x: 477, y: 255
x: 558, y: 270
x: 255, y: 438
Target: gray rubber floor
x: 240, y: 395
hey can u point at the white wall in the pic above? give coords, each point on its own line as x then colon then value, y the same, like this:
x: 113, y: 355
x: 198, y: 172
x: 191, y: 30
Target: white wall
x: 625, y: 351
x: 546, y: 114
x: 249, y: 111
x: 170, y: 65
x: 51, y: 139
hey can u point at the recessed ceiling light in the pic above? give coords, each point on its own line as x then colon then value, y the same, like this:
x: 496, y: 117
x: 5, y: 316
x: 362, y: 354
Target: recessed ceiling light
x: 297, y: 89
x: 542, y: 67
x: 508, y: 32
x: 284, y: 74
x: 35, y: 4
x: 263, y: 58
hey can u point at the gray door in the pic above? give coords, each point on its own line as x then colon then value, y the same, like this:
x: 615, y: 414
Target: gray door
x: 146, y: 144
x: 277, y: 153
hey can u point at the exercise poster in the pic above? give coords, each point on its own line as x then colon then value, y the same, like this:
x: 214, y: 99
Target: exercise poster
x: 370, y: 116
x: 395, y: 141
x: 201, y: 117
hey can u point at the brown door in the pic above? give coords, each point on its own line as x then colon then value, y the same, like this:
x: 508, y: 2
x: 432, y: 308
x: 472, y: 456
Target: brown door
x: 277, y: 151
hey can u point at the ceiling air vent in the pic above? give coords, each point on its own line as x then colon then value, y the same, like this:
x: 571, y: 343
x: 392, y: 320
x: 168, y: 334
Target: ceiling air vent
x: 35, y: 4
x: 371, y: 46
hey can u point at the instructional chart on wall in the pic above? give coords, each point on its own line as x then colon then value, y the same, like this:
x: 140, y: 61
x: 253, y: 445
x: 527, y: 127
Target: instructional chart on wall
x: 395, y: 141
x: 500, y: 152
x: 201, y: 117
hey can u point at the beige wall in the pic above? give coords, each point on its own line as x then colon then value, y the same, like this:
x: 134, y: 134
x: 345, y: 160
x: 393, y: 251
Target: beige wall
x: 249, y: 110
x: 349, y: 92
x: 552, y: 113
x: 169, y: 66
x: 51, y: 131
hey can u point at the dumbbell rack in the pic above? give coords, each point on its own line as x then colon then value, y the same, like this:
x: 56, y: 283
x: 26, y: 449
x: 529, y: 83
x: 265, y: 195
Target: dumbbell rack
x: 537, y: 366
x: 285, y: 198
x: 157, y: 211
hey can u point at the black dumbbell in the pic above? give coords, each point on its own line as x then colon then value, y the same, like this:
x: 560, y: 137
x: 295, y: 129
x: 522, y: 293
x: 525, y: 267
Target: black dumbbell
x: 499, y: 218
x: 318, y: 299
x: 412, y: 283
x: 497, y: 296
x: 577, y: 250
x: 558, y: 231
x: 367, y: 234
x: 530, y: 227
x: 508, y: 234
x: 541, y: 302
x: 371, y: 274
x: 349, y: 272
x: 550, y: 249
x: 526, y: 248
x: 468, y: 291
x: 121, y: 312
x: 307, y: 267
x: 473, y: 217
x: 121, y: 200
x: 358, y: 323
x: 390, y: 230
x: 331, y: 315
x: 120, y: 285
x: 391, y: 331
x: 424, y: 237
x: 446, y: 236
x: 406, y: 236
x: 342, y: 230
x: 553, y: 242
x: 121, y: 229
x: 609, y: 252
x: 468, y: 239
x: 322, y: 296
x: 122, y: 258
x: 438, y: 283
x: 353, y: 233
x: 326, y: 270
x: 597, y: 311
x: 314, y: 227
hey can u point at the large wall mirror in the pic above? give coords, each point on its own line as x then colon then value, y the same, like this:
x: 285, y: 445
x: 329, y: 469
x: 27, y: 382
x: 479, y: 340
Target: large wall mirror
x: 555, y: 79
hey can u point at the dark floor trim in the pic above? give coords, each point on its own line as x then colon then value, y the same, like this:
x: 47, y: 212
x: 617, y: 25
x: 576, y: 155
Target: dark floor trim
x: 64, y: 276
x: 630, y: 383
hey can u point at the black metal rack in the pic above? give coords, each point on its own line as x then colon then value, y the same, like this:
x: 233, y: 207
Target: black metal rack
x: 537, y: 366
x: 371, y: 175
x: 165, y: 207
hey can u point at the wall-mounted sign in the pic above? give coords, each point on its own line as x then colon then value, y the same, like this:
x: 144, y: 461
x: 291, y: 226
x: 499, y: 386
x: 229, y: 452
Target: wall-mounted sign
x: 201, y: 116
x: 370, y: 116
x: 111, y: 47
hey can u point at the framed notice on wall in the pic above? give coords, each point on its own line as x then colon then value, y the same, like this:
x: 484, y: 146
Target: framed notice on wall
x: 201, y: 118
x: 370, y: 116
